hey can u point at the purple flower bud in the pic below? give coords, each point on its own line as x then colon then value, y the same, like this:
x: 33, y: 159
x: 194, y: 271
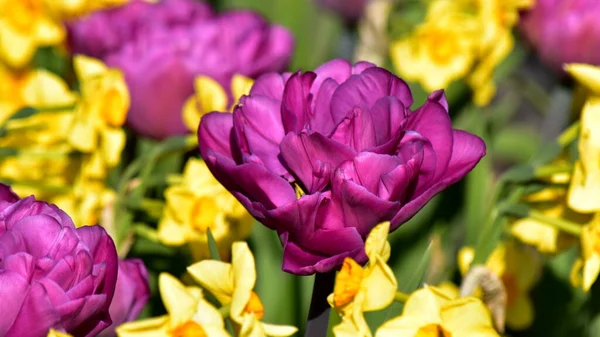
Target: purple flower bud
x: 346, y: 136
x: 131, y: 294
x: 564, y: 31
x: 161, y: 49
x: 52, y: 275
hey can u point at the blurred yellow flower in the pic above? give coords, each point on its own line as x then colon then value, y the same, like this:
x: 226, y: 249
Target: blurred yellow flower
x: 441, y: 49
x: 459, y: 39
x: 197, y: 202
x: 518, y: 269
x: 188, y: 314
x: 24, y: 26
x: 585, y: 182
x: 428, y: 312
x: 547, y: 239
x: 232, y: 284
x: 359, y: 289
x: 211, y: 96
x: 587, y: 267
x: 54, y: 333
x: 98, y: 117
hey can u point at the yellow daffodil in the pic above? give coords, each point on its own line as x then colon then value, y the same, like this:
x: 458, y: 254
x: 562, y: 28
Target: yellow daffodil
x: 98, y: 117
x: 24, y: 26
x: 188, y: 314
x: 441, y: 49
x: 587, y: 267
x: 211, y: 96
x: 359, y: 289
x: 232, y: 284
x: 197, y: 202
x: 54, y: 333
x: 547, y: 239
x: 428, y: 312
x: 459, y: 39
x: 585, y: 183
x: 518, y: 269
x: 67, y: 9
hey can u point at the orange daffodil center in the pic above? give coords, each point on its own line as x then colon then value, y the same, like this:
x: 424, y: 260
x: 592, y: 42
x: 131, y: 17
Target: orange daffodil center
x: 433, y: 330
x: 347, y: 283
x: 255, y: 306
x: 188, y: 329
x: 361, y: 289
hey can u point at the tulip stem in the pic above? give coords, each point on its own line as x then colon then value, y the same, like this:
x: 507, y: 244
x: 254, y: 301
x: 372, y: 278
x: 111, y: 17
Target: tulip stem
x: 318, y: 314
x: 401, y: 297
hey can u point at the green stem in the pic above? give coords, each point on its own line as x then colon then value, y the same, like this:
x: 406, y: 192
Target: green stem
x: 401, y: 297
x: 225, y: 310
x: 558, y: 223
x: 550, y: 170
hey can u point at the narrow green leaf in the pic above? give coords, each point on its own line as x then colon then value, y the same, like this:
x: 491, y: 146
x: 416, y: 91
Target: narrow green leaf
x: 24, y: 113
x: 212, y: 246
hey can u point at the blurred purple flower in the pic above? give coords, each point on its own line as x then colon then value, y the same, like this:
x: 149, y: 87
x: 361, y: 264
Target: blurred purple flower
x: 349, y: 9
x: 131, y: 294
x: 564, y: 31
x: 161, y: 48
x: 345, y: 136
x: 52, y: 275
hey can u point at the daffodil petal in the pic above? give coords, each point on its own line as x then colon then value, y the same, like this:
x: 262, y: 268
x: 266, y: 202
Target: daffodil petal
x: 468, y: 316
x: 591, y: 269
x: 151, y: 327
x: 402, y: 326
x: 244, y: 272
x: 216, y: 277
x: 278, y: 330
x: 520, y: 314
x: 586, y: 74
x: 379, y: 286
x: 177, y: 300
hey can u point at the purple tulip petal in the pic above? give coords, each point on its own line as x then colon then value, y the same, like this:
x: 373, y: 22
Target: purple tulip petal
x: 390, y: 117
x: 432, y: 122
x: 215, y: 133
x: 296, y: 102
x: 35, y: 316
x: 270, y: 85
x: 312, y: 157
x: 365, y: 89
x: 13, y: 289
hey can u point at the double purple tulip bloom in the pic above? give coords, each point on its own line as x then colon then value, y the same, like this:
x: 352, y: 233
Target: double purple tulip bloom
x: 52, y: 275
x: 162, y: 47
x: 346, y: 137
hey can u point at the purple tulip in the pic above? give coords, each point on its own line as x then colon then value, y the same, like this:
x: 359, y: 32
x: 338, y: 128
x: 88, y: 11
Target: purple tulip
x: 346, y: 136
x: 162, y: 48
x: 351, y: 10
x: 131, y: 294
x: 52, y: 275
x: 564, y: 31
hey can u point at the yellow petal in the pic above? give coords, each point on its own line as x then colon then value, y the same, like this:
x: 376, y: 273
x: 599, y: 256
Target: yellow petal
x: 240, y: 86
x: 48, y: 32
x: 86, y: 67
x: 244, y: 273
x: 520, y: 314
x: 465, y: 258
x: 191, y: 115
x: 376, y: 244
x: 178, y: 301
x: 379, y: 286
x: 532, y: 232
x: 585, y: 181
x: 207, y: 315
x: 426, y: 303
x: 278, y: 330
x: 170, y: 232
x: 43, y: 89
x: 112, y: 144
x: 209, y: 96
x: 54, y: 333
x: 587, y: 75
x: 152, y: 327
x: 591, y: 269
x: 216, y: 277
x: 402, y: 326
x: 468, y: 316
x: 251, y: 327
x: 16, y: 49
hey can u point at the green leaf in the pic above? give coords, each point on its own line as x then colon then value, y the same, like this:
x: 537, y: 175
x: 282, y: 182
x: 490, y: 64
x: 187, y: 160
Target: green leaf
x: 212, y: 246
